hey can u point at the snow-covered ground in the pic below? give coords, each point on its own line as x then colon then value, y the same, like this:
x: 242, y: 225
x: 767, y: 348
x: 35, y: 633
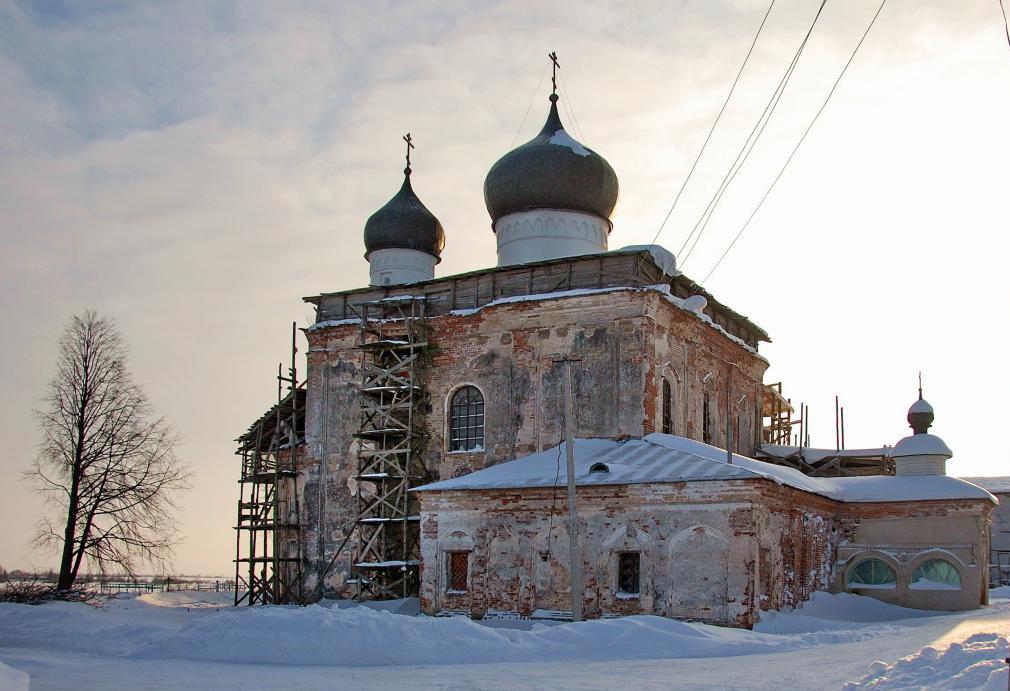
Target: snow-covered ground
x: 195, y: 640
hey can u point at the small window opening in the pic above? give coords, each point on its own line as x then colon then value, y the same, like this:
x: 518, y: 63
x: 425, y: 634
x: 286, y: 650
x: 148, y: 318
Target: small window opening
x: 459, y: 567
x: 599, y: 468
x: 629, y: 573
x: 706, y: 420
x: 667, y: 407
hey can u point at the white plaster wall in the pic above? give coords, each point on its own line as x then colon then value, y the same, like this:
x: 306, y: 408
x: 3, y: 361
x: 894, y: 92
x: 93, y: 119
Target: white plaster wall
x: 920, y: 465
x: 539, y: 234
x: 392, y: 266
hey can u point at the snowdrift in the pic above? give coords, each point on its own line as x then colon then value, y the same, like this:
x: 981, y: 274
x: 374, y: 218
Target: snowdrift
x: 362, y: 636
x: 975, y: 664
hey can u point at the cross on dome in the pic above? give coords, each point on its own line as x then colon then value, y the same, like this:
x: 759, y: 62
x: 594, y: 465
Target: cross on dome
x: 410, y: 145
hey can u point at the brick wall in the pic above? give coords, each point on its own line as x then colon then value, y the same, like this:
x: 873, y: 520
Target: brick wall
x: 627, y: 341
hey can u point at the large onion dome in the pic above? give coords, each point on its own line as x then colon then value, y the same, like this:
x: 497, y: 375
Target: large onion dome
x: 404, y: 223
x: 551, y: 171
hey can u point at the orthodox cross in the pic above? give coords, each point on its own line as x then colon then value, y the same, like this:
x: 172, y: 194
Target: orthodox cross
x: 554, y: 71
x: 920, y: 385
x: 410, y: 146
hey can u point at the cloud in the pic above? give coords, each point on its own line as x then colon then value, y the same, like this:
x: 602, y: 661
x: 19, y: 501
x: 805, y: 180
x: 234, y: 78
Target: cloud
x: 194, y: 169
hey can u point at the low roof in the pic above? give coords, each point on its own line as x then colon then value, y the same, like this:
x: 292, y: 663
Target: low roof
x: 662, y: 458
x: 996, y: 485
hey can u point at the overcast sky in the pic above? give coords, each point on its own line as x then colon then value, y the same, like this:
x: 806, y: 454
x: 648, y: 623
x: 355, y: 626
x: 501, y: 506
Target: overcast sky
x: 192, y: 170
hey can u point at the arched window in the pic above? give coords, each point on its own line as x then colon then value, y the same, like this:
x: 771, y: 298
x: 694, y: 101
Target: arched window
x: 871, y: 573
x: 466, y: 420
x: 936, y: 574
x: 667, y: 407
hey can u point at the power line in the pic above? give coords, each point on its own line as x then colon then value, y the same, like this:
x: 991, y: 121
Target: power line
x: 570, y: 107
x: 749, y: 143
x: 529, y: 107
x: 796, y: 148
x: 1006, y: 26
x: 712, y: 128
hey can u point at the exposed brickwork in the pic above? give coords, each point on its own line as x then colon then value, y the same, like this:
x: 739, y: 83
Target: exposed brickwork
x: 712, y: 551
x: 745, y: 546
x: 624, y: 338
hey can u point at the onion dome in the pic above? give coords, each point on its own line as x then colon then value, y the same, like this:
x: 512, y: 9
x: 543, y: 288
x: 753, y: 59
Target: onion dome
x: 551, y: 171
x: 404, y: 223
x: 921, y: 453
x: 920, y: 416
x: 921, y: 443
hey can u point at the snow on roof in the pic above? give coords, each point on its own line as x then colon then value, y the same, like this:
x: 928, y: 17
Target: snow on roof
x: 662, y: 458
x: 921, y: 445
x: 663, y: 257
x: 1000, y: 485
x: 920, y: 406
x: 562, y: 138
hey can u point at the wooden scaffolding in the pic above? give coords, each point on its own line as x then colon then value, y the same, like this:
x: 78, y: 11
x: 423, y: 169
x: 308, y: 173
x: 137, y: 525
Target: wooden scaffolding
x: 392, y: 441
x: 268, y: 544
x: 777, y: 411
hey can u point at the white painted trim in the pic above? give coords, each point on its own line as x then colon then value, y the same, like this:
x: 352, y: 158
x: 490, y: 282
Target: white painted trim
x: 541, y: 234
x: 395, y: 266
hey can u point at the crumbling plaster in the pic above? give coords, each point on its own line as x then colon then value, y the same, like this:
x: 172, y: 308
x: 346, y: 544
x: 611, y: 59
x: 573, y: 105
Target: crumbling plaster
x: 626, y: 341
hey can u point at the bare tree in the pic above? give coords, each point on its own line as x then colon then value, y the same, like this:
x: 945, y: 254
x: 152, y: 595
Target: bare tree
x: 105, y: 461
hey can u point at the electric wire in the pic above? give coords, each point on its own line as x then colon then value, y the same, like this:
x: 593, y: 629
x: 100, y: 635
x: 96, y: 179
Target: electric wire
x: 1006, y: 26
x: 801, y: 140
x: 718, y: 117
x: 748, y: 146
x: 529, y: 107
x: 571, y: 106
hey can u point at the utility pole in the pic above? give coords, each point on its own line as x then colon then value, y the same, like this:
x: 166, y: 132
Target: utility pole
x: 575, y: 554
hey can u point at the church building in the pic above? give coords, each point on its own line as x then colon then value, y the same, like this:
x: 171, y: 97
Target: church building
x: 424, y: 455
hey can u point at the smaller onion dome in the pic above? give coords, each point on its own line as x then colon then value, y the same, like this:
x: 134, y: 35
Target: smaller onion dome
x: 920, y: 416
x: 921, y: 453
x: 551, y: 171
x: 404, y: 223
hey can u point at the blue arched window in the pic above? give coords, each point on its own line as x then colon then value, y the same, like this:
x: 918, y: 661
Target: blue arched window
x: 871, y: 573
x: 936, y: 574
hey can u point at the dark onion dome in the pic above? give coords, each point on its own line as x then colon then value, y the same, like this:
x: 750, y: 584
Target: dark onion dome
x: 551, y: 171
x: 404, y: 223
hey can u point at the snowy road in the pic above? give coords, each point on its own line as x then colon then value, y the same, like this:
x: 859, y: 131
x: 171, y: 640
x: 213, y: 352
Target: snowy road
x: 838, y: 653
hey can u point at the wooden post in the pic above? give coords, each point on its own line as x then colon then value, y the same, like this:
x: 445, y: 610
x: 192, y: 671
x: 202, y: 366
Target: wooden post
x: 575, y: 554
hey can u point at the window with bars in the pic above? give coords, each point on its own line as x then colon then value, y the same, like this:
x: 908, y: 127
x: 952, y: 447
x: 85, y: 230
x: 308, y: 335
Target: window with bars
x: 706, y: 420
x: 667, y: 407
x: 629, y: 573
x: 466, y: 420
x: 458, y: 564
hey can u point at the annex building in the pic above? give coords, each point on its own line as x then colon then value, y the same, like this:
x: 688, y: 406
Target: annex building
x: 423, y: 453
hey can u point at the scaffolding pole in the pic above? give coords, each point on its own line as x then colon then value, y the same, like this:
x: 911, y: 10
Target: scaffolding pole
x: 268, y: 542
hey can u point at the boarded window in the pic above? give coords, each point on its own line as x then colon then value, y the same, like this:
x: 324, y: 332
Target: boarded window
x: 466, y: 420
x: 458, y: 566
x: 667, y: 407
x: 628, y: 573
